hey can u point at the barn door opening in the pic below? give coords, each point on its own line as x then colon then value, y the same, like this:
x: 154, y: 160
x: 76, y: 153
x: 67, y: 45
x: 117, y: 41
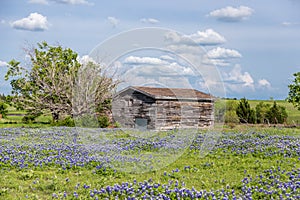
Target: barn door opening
x: 141, y: 123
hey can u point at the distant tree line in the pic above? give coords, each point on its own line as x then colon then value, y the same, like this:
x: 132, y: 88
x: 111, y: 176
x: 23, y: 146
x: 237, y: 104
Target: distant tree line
x: 241, y: 112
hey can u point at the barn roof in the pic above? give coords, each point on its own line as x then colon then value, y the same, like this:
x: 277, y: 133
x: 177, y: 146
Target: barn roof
x: 172, y: 93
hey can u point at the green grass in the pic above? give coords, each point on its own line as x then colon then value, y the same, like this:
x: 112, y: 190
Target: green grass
x: 212, y: 172
x: 293, y: 113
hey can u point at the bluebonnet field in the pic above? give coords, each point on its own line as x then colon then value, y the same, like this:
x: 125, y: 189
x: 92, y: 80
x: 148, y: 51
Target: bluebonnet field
x: 70, y: 163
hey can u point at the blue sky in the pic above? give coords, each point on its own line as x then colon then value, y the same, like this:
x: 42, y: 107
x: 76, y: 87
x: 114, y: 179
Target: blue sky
x: 254, y: 45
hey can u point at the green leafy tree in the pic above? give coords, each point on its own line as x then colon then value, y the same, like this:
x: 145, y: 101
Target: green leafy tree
x: 244, y: 112
x: 225, y: 111
x: 3, y: 109
x: 261, y: 111
x: 57, y: 82
x: 230, y: 114
x: 294, y: 93
x: 47, y: 85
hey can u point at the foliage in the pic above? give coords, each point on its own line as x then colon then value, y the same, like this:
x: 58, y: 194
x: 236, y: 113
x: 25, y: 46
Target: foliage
x: 86, y: 120
x: 48, y: 84
x: 67, y: 121
x: 2, y: 97
x: 58, y: 83
x: 230, y: 114
x: 276, y: 114
x: 245, y: 113
x: 28, y: 118
x: 3, y: 109
x: 225, y: 111
x: 103, y: 121
x: 261, y: 111
x: 294, y: 93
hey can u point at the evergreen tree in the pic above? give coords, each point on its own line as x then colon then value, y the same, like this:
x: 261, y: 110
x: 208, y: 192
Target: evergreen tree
x: 3, y: 109
x: 277, y: 114
x: 244, y: 112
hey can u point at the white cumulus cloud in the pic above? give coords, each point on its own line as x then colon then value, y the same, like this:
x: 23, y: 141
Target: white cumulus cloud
x: 290, y: 23
x: 34, y: 22
x: 206, y: 37
x: 144, y: 60
x: 72, y: 2
x: 264, y: 83
x: 113, y: 21
x: 153, y: 66
x: 43, y: 2
x: 220, y: 56
x: 222, y: 53
x: 85, y: 59
x: 237, y: 77
x: 232, y: 14
x: 149, y: 20
x: 3, y: 63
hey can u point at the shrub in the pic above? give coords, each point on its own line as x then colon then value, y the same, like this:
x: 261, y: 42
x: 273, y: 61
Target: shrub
x: 103, y: 121
x: 87, y: 120
x: 231, y: 117
x: 68, y: 121
x: 28, y: 119
x: 261, y: 112
x: 245, y: 113
x: 3, y: 109
x: 276, y: 114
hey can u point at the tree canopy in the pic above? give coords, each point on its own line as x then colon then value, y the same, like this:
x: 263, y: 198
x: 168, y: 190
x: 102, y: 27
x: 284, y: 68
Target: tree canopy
x: 294, y: 93
x: 52, y: 79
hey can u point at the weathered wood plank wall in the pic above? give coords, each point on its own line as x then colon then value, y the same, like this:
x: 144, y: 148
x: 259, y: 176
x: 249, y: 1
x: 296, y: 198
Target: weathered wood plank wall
x: 161, y: 114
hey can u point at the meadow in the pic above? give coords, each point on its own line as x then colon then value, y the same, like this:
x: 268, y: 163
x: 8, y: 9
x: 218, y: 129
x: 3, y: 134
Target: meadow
x: 73, y: 163
x: 293, y: 113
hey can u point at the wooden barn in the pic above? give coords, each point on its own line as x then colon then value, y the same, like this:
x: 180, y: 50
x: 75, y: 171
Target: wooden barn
x: 162, y: 108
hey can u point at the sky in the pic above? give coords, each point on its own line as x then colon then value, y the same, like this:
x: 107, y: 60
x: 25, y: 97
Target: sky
x: 248, y: 48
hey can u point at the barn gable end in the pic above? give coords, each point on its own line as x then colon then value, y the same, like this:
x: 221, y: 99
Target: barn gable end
x: 162, y: 108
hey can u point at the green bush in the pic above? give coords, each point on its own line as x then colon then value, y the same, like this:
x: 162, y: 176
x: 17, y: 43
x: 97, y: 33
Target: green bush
x: 231, y: 117
x: 261, y: 111
x: 87, y: 120
x: 3, y: 109
x: 68, y: 121
x: 28, y: 119
x: 103, y: 121
x: 277, y: 114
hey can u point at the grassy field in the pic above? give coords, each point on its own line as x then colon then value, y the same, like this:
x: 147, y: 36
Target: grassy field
x: 49, y: 165
x: 293, y: 113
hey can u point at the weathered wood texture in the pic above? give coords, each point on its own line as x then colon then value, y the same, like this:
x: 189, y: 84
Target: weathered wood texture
x: 131, y: 105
